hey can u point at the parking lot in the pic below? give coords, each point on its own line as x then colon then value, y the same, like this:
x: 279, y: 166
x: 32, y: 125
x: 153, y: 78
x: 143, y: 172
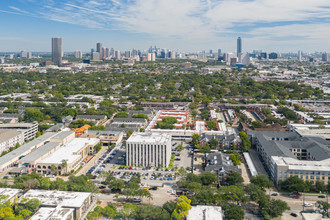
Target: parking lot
x: 113, y: 163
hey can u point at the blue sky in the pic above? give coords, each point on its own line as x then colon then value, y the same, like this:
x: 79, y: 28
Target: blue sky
x: 184, y: 25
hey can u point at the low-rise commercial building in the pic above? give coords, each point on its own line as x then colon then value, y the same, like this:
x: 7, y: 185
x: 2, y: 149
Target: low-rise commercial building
x: 106, y: 137
x: 79, y: 202
x: 148, y: 150
x: 12, y: 157
x: 68, y: 157
x: 8, y: 194
x: 289, y: 154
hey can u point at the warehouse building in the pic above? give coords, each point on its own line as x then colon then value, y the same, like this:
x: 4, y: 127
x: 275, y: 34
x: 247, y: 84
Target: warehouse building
x: 148, y: 150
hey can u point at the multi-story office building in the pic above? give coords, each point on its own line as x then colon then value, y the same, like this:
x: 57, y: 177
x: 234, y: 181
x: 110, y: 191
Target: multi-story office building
x: 273, y: 56
x: 289, y: 154
x: 78, y: 54
x: 29, y: 130
x: 299, y: 55
x: 99, y: 50
x: 148, y: 150
x: 96, y: 56
x: 325, y: 57
x: 239, y: 45
x: 24, y: 54
x: 117, y: 54
x: 57, y: 50
x: 9, y: 138
x: 151, y: 57
x: 244, y: 58
x: 107, y: 53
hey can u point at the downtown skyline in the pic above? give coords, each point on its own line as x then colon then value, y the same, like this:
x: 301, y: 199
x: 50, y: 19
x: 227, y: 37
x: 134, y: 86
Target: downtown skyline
x: 193, y: 25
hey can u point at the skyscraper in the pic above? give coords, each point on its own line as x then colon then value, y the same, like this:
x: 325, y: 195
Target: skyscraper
x: 57, y: 50
x: 299, y: 56
x: 78, y: 54
x: 325, y: 57
x: 99, y: 50
x: 239, y: 46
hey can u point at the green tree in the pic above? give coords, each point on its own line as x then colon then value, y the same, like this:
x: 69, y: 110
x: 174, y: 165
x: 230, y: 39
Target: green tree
x: 6, y: 212
x: 33, y: 114
x: 205, y: 148
x: 195, y: 139
x: 246, y: 144
x: 214, y: 143
x: 277, y: 207
x: 180, y: 148
x: 211, y: 125
x: 122, y: 115
x: 233, y: 212
x: 257, y: 124
x: 294, y: 184
x: 323, y: 206
x: 262, y: 181
x: 234, y: 178
x: 140, y: 115
x: 209, y: 178
x: 182, y: 207
x: 129, y: 133
x: 44, y: 183
x: 319, y: 186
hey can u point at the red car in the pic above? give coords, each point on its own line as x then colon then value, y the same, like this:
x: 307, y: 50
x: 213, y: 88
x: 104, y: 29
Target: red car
x: 296, y: 197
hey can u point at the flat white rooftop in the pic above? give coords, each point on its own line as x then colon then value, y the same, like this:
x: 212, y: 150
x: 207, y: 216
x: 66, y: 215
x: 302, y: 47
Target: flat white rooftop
x: 68, y: 151
x: 205, y: 212
x: 155, y: 138
x: 54, y: 198
x: 45, y: 213
x: 295, y: 164
x: 9, y: 193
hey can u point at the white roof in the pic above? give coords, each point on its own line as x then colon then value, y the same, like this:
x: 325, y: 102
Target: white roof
x: 159, y: 138
x: 55, y: 198
x: 205, y: 212
x: 9, y: 192
x: 68, y: 150
x: 52, y: 213
x: 308, y: 165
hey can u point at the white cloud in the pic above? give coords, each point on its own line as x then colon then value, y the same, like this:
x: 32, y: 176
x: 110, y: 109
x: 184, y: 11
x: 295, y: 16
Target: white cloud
x: 197, y: 21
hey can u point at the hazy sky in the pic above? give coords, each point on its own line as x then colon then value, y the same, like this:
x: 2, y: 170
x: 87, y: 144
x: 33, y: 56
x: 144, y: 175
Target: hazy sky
x: 186, y: 25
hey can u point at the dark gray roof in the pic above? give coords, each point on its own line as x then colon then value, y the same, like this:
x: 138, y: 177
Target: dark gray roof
x: 93, y: 117
x: 217, y: 161
x: 8, y: 115
x: 279, y: 144
x: 209, y: 137
x: 129, y: 120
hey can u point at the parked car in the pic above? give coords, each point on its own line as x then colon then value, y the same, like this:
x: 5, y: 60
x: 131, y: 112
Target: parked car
x: 137, y: 200
x: 322, y: 196
x: 293, y: 214
x: 274, y: 194
x: 306, y: 204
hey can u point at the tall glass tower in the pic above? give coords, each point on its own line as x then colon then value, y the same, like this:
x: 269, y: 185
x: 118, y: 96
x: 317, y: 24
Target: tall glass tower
x: 239, y: 46
x: 57, y: 51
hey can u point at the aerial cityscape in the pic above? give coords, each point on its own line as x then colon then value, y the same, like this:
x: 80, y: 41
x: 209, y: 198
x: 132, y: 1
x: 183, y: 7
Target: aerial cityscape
x: 164, y: 110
